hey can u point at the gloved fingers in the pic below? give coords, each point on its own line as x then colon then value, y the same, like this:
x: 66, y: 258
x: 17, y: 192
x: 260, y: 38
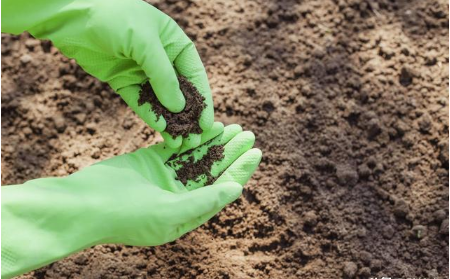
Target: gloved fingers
x: 162, y: 150
x: 163, y: 79
x: 229, y: 132
x: 243, y: 168
x: 214, y: 137
x: 215, y: 130
x: 189, y: 65
x: 170, y: 141
x: 130, y: 95
x: 181, y: 50
x: 192, y: 141
x: 233, y: 150
x: 193, y: 204
x: 197, y: 222
x: 209, y: 139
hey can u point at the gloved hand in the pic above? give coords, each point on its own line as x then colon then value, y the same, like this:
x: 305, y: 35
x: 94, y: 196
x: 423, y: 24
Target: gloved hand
x: 132, y: 199
x: 124, y: 43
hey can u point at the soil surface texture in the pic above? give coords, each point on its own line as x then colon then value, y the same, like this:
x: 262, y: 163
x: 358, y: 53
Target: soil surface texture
x: 348, y: 100
x: 194, y: 170
x: 178, y: 124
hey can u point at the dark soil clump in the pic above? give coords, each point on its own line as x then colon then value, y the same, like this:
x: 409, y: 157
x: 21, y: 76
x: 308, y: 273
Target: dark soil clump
x: 187, y: 121
x: 193, y: 170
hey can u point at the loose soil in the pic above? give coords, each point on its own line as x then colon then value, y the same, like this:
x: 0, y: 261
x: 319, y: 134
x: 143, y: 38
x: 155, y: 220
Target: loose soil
x: 184, y: 122
x: 195, y: 170
x: 348, y: 100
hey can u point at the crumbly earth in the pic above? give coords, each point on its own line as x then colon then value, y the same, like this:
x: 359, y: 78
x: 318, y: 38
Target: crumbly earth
x: 349, y: 103
x: 178, y: 124
x: 194, y: 170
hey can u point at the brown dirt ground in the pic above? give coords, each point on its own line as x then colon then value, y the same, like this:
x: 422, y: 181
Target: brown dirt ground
x: 349, y: 103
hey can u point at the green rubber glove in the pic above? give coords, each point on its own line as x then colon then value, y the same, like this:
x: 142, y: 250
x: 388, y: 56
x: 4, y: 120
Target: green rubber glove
x: 133, y: 199
x: 124, y: 43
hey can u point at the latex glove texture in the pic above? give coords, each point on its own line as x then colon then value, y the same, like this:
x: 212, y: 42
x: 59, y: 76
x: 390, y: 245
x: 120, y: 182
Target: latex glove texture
x: 132, y: 199
x: 153, y: 206
x: 124, y: 43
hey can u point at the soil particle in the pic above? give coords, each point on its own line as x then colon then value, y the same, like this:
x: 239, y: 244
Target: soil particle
x: 27, y: 131
x: 388, y: 232
x: 81, y: 259
x: 401, y: 127
x: 363, y: 171
x: 419, y: 231
x: 443, y: 153
x: 443, y: 230
x: 365, y: 272
x: 268, y: 107
x: 194, y: 170
x: 310, y: 218
x: 401, y: 208
x: 365, y: 257
x: 305, y: 190
x: 373, y: 128
x: 362, y: 232
x: 80, y: 118
x: 26, y: 58
x: 350, y: 269
x: 60, y: 123
x: 91, y: 128
x: 347, y: 176
x: 178, y: 124
x: 432, y: 273
x: 372, y: 162
x: 376, y: 265
x: 431, y: 58
x: 96, y: 152
x: 425, y: 123
x: 406, y: 76
x: 439, y: 215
